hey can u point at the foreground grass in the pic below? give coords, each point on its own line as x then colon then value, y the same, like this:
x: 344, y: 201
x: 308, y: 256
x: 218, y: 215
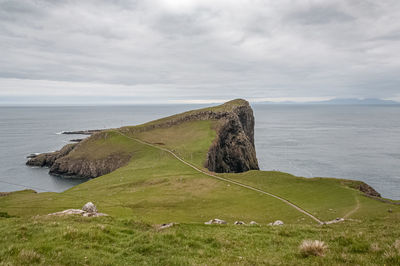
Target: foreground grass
x: 109, y: 241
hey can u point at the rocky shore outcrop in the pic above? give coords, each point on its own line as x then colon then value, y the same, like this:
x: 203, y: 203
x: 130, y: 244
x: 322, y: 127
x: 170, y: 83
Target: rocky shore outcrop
x: 368, y: 190
x: 67, y: 163
x: 48, y: 159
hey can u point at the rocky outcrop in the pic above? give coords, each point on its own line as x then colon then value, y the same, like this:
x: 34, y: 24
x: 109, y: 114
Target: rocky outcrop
x: 368, y: 190
x: 233, y: 150
x: 86, y: 167
x: 82, y: 132
x: 48, y: 159
x: 88, y: 210
x: 61, y: 164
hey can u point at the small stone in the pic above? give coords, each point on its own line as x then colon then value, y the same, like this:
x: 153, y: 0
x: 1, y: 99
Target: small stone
x: 164, y: 226
x: 253, y: 223
x: 239, y: 223
x: 89, y: 207
x: 215, y: 221
x: 278, y: 222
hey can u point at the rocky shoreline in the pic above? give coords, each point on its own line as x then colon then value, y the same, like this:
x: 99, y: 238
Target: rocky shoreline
x: 82, y: 132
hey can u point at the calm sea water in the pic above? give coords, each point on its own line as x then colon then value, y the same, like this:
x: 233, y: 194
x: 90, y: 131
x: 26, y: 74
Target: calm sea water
x: 355, y: 142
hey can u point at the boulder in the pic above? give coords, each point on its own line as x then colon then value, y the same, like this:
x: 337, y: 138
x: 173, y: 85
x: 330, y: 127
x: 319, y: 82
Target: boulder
x: 168, y: 225
x: 215, y: 221
x: 337, y: 220
x: 89, y: 207
x: 277, y: 222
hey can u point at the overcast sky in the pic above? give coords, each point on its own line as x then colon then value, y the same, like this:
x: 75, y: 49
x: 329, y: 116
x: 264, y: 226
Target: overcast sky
x: 171, y: 51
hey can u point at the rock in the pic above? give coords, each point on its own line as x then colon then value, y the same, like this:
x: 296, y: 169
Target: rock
x: 68, y: 212
x: 368, y: 190
x: 215, y: 221
x: 164, y: 226
x: 233, y: 149
x: 88, y: 210
x: 337, y: 220
x: 82, y: 132
x: 239, y: 223
x: 89, y: 207
x: 277, y: 222
x: 253, y: 223
x: 48, y: 159
x: 390, y: 210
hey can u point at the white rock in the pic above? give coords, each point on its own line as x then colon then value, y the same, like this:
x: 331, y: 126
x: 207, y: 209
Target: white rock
x: 278, y: 222
x: 239, y: 223
x: 164, y: 226
x: 68, y: 212
x: 89, y: 207
x: 216, y: 221
x: 253, y: 223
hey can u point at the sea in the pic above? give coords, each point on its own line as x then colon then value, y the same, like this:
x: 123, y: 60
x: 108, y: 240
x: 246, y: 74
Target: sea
x: 360, y: 142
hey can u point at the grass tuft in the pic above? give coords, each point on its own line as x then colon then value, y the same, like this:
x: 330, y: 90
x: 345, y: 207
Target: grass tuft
x: 29, y: 257
x: 313, y: 248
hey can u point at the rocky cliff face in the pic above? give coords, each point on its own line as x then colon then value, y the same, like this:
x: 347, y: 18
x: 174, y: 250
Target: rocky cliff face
x: 232, y: 151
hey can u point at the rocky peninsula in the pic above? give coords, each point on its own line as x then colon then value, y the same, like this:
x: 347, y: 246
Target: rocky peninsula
x: 232, y: 151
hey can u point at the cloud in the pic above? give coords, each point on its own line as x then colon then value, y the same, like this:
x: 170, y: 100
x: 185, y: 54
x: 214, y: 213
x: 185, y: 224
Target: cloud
x: 188, y: 50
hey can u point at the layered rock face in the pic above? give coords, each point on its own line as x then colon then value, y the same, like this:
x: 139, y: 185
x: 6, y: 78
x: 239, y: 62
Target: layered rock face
x: 232, y: 151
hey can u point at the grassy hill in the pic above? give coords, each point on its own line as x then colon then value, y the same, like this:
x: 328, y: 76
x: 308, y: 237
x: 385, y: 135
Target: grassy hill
x: 155, y: 187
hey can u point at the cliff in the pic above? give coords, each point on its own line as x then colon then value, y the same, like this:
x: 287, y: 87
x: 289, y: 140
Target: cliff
x: 232, y: 150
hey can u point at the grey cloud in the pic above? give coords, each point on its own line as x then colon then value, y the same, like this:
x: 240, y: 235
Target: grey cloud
x: 204, y: 49
x: 321, y: 15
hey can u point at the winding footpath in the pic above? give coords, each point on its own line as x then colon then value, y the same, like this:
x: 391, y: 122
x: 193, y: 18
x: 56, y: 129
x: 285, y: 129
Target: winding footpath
x: 354, y: 210
x: 225, y: 179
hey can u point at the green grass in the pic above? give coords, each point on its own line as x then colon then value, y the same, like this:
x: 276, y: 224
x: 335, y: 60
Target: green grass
x: 111, y: 241
x: 154, y: 188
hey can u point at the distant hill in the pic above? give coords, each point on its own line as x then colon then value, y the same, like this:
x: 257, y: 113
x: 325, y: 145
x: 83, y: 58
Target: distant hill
x: 350, y: 101
x: 344, y: 101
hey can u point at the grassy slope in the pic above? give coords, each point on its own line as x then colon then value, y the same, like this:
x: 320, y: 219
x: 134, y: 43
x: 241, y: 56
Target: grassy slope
x: 156, y: 188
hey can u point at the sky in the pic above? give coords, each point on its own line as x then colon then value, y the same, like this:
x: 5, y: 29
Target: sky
x: 197, y: 51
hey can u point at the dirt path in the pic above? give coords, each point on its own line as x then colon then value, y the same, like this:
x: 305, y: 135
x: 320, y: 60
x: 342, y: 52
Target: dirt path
x: 227, y: 180
x: 347, y: 215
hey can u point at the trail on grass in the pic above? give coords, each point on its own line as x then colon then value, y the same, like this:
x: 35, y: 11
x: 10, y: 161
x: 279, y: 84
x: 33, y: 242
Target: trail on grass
x: 347, y: 215
x: 225, y: 179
